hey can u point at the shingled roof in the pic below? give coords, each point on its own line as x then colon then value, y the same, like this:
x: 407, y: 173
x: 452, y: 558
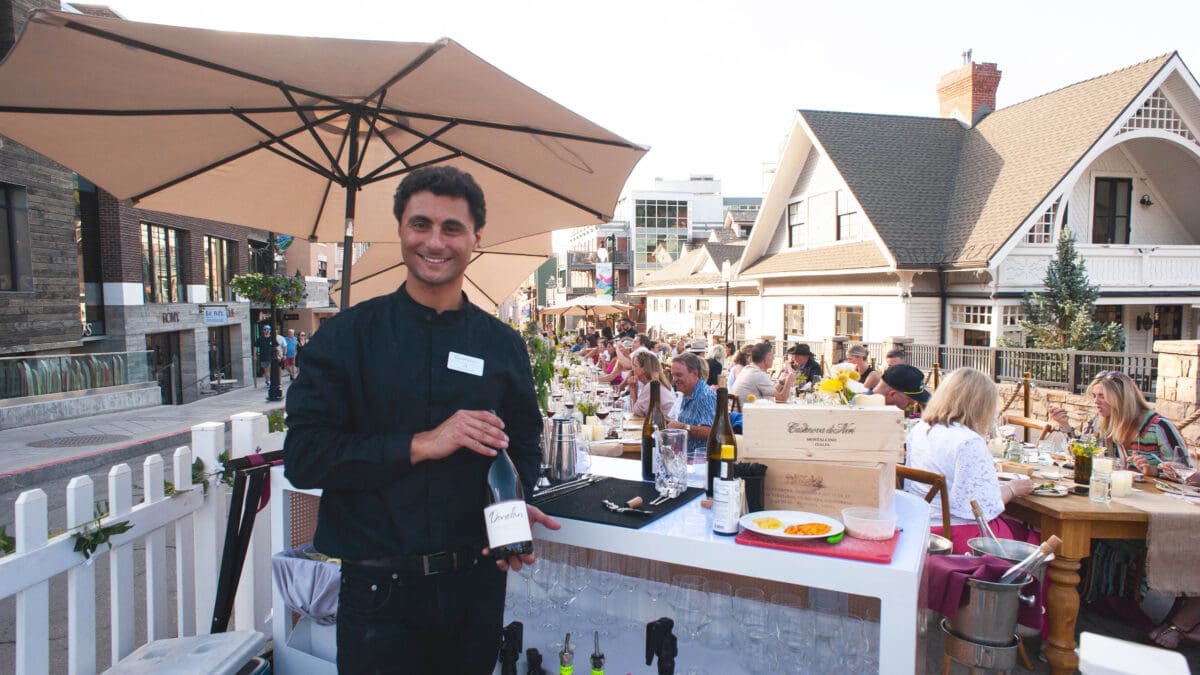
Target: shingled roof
x: 939, y: 193
x: 853, y: 256
x: 680, y: 272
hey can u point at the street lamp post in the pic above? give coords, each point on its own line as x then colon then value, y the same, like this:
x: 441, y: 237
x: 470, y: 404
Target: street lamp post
x: 275, y: 388
x: 725, y: 274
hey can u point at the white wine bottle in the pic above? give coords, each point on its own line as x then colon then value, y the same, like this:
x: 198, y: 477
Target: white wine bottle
x: 985, y: 530
x: 505, y: 515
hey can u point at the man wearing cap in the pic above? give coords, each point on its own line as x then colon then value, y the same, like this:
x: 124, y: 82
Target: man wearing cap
x: 804, y: 368
x: 265, y: 345
x: 904, y: 387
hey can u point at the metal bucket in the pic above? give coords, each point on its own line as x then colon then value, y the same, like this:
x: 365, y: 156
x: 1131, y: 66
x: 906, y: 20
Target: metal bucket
x: 987, y: 614
x: 563, y: 448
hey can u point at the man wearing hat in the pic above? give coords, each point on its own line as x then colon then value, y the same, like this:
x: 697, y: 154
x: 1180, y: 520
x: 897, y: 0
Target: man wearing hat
x: 801, y: 362
x: 904, y: 387
x: 265, y: 345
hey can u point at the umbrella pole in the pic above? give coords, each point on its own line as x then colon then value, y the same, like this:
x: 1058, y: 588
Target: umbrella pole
x: 351, y: 196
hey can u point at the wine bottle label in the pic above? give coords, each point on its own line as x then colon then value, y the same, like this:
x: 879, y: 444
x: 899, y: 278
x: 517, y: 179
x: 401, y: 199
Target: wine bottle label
x: 507, y: 523
x: 727, y: 501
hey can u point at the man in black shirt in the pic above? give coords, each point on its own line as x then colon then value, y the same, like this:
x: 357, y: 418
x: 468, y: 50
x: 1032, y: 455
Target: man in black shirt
x: 392, y: 416
x: 265, y: 344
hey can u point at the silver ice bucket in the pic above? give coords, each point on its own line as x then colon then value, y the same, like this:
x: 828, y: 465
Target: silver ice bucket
x: 563, y: 443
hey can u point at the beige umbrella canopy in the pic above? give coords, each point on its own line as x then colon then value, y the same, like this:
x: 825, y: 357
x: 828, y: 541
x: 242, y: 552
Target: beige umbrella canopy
x: 586, y: 305
x: 299, y: 135
x: 493, y: 273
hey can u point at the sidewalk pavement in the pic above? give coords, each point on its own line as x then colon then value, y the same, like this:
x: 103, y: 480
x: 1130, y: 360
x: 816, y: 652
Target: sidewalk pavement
x: 40, y: 453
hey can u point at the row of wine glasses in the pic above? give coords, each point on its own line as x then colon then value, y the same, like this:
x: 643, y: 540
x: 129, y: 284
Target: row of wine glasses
x: 784, y: 634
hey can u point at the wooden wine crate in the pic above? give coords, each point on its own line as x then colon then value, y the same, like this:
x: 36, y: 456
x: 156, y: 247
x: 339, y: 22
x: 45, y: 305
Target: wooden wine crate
x: 825, y: 433
x: 827, y: 487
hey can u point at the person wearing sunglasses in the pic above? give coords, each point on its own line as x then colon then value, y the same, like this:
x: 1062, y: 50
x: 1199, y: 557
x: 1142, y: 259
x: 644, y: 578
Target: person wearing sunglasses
x: 1135, y: 436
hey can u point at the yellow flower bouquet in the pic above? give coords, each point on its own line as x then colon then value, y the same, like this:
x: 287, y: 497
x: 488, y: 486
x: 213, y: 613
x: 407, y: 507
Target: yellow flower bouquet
x: 838, y: 385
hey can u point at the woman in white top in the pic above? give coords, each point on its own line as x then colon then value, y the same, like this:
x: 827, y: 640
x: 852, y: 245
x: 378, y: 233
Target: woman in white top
x: 949, y: 440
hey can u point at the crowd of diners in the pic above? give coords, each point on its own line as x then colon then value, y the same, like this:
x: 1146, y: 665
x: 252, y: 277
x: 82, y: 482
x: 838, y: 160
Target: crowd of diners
x: 949, y: 438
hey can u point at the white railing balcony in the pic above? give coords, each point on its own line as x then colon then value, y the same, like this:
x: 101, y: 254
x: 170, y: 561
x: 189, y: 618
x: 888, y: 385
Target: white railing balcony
x: 1112, y: 267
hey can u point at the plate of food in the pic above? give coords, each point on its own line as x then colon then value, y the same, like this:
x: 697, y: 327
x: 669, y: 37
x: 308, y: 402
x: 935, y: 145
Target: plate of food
x: 792, y: 524
x: 1050, y: 490
x: 1052, y: 474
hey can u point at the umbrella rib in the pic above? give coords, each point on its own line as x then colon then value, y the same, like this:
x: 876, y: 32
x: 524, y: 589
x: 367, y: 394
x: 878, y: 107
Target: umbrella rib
x: 354, y: 171
x: 310, y: 125
x: 521, y: 179
x: 296, y: 156
x: 404, y: 72
x: 481, y: 291
x: 157, y: 112
x: 414, y: 167
x: 196, y: 172
x: 312, y: 235
x: 178, y: 56
x: 401, y: 156
x: 518, y: 128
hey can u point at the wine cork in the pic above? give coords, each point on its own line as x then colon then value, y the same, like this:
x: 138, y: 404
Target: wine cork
x: 706, y: 503
x: 635, y: 502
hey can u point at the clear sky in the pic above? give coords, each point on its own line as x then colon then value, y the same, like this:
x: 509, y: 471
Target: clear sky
x: 712, y: 86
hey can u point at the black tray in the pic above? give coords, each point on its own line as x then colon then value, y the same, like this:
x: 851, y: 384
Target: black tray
x: 585, y: 503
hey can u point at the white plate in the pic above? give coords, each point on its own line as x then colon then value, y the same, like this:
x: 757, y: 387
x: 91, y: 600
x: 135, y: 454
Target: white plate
x: 1058, y: 491
x: 1006, y: 475
x: 791, y: 518
x: 1048, y: 474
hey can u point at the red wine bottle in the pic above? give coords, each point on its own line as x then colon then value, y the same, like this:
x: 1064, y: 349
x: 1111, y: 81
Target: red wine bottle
x: 505, y: 516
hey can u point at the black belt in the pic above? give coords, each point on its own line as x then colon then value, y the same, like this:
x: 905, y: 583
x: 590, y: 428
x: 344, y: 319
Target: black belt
x: 441, y: 562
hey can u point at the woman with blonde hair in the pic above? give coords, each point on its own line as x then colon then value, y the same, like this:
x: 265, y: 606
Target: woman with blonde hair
x: 646, y: 369
x: 1134, y: 435
x: 949, y: 440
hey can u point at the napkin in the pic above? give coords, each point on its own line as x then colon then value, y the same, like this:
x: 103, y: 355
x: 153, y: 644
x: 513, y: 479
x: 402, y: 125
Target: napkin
x: 948, y: 575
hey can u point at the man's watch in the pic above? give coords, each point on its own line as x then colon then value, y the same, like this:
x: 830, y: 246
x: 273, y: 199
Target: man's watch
x: 688, y: 429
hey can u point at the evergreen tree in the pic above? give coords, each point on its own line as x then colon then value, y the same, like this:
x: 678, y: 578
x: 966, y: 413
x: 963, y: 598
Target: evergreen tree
x: 1063, y: 316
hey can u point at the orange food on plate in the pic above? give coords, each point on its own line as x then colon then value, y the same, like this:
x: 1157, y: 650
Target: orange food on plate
x: 808, y: 529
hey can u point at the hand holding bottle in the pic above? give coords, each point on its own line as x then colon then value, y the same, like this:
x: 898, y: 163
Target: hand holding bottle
x: 536, y: 517
x: 477, y: 430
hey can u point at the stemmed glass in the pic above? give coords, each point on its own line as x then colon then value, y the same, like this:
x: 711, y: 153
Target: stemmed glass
x: 720, y: 608
x: 546, y: 575
x: 656, y: 584
x: 690, y: 603
x: 605, y: 579
x: 575, y: 578
x: 531, y: 602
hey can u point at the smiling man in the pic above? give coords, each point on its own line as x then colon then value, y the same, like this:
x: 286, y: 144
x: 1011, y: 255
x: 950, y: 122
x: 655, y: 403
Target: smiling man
x: 393, y: 418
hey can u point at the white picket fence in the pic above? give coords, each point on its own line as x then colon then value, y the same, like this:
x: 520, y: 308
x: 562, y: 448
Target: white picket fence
x: 198, y: 523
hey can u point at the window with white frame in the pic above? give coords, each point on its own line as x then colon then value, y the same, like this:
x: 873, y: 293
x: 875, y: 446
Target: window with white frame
x: 1042, y: 231
x: 1011, y: 316
x: 702, y: 305
x: 797, y: 215
x: 793, y: 319
x: 848, y: 219
x: 971, y: 315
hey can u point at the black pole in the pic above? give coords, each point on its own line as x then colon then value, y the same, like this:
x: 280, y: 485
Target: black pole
x: 351, y: 196
x: 274, y: 389
x: 726, y: 313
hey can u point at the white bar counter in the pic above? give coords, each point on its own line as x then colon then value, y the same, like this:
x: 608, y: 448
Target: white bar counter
x: 685, y: 537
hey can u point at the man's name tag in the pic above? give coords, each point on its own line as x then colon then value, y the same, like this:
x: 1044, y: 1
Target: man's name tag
x: 465, y: 364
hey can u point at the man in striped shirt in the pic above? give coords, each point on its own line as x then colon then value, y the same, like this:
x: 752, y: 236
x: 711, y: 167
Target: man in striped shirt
x: 698, y: 404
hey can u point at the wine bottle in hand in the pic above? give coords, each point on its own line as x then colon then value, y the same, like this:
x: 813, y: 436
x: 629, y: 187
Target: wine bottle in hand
x: 507, y: 520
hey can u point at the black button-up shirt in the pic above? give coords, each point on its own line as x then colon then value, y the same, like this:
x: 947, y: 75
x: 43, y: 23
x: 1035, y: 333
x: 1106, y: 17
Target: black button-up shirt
x: 371, y: 378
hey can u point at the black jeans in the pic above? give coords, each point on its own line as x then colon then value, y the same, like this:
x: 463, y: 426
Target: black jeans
x: 444, y: 623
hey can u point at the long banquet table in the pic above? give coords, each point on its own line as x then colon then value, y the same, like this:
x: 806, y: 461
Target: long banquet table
x: 1076, y: 520
x: 683, y: 537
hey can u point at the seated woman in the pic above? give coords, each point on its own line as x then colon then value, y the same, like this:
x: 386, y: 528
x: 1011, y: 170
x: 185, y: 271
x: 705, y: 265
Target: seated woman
x: 949, y: 440
x: 858, y: 355
x: 1138, y: 438
x: 646, y: 369
x: 741, y: 359
x: 611, y: 366
x: 1135, y: 436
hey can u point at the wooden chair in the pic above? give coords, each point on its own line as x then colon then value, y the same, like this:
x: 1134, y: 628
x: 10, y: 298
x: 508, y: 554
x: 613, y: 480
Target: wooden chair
x: 937, y: 483
x: 735, y: 403
x: 1044, y: 428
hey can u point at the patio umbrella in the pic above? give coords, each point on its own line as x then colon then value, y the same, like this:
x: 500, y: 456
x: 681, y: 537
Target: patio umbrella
x: 293, y: 134
x: 492, y: 274
x: 588, y: 304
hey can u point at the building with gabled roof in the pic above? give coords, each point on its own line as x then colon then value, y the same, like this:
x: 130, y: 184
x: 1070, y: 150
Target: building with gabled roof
x: 691, y: 295
x: 935, y: 228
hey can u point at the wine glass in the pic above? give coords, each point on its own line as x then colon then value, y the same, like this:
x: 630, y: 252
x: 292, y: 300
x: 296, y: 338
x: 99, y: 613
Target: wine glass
x: 602, y: 413
x: 795, y: 626
x: 605, y: 579
x: 657, y: 576
x: 575, y: 578
x: 690, y: 602
x: 720, y: 608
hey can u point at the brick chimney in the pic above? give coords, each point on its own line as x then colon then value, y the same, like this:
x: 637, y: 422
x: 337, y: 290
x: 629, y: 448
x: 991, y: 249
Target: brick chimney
x: 969, y: 93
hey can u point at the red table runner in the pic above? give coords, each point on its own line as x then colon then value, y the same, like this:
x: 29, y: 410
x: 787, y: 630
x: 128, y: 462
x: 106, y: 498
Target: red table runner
x: 849, y: 547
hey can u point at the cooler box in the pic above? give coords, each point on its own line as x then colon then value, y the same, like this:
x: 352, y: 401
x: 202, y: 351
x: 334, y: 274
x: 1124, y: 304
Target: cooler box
x: 217, y: 654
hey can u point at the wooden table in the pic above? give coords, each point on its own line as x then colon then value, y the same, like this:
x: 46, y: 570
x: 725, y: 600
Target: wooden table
x: 1077, y: 521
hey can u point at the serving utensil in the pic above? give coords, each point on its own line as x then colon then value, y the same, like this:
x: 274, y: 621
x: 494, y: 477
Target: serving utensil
x: 617, y: 508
